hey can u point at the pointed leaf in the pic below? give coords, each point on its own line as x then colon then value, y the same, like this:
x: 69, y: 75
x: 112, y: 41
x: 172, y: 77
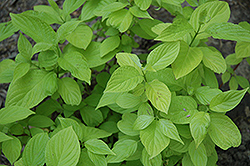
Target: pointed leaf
x: 91, y: 133
x: 71, y: 5
x: 142, y: 122
x: 143, y: 4
x: 128, y: 100
x: 91, y: 116
x: 159, y: 94
x: 98, y: 147
x: 242, y: 49
x: 98, y: 160
x: 7, y: 29
x: 109, y: 45
x: 4, y: 137
x: 198, y: 155
x: 40, y: 121
x: 12, y: 149
x: 7, y: 67
x: 205, y: 94
x: 126, y: 124
x: 63, y: 148
x: 126, y: 59
x: 147, y: 161
x: 67, y: 122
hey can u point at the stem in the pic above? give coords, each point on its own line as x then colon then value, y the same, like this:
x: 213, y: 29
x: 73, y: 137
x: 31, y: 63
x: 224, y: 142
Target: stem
x: 196, y: 33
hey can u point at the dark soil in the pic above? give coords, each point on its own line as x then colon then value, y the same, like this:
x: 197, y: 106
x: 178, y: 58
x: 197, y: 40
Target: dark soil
x: 240, y: 11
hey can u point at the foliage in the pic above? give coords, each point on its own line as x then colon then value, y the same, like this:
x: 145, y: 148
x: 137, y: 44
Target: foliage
x: 95, y: 103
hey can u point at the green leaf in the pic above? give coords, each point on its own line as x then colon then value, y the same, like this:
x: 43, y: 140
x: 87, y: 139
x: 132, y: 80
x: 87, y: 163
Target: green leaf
x: 7, y: 67
x: 213, y: 59
x: 4, y: 137
x: 91, y: 116
x: 50, y: 14
x: 233, y: 84
x: 225, y: 77
x: 233, y: 60
x: 148, y: 161
x: 186, y: 160
x: 47, y: 107
x: 47, y: 59
x: 128, y: 100
x: 228, y: 31
x: 205, y: 94
x: 34, y: 151
x: 120, y: 19
x: 76, y: 64
x: 69, y: 151
x: 143, y: 4
x: 242, y: 81
x: 88, y: 10
x: 81, y: 36
x: 139, y: 13
x: 40, y: 121
x: 98, y: 160
x: 114, y: 6
x: 124, y: 79
x: 145, y: 109
x: 71, y: 5
x: 31, y: 89
x: 126, y: 59
x: 109, y: 44
x: 242, y: 49
x: 123, y: 149
x: 179, y: 147
x: 210, y: 78
x: 198, y: 155
x: 12, y: 149
x: 84, y: 158
x: 207, y: 14
x: 11, y: 114
x: 126, y: 124
x: 32, y: 25
x: 102, y: 5
x: 20, y: 70
x: 163, y: 55
x: 7, y: 29
x: 70, y: 91
x: 198, y: 127
x: 181, y: 109
x: 98, y: 147
x: 153, y: 139
x: 24, y: 48
x: 41, y: 46
x: 142, y: 122
x: 176, y: 31
x: 159, y: 95
x: 67, y: 122
x: 91, y: 133
x: 223, y: 131
x: 65, y: 29
x: 169, y: 130
x: 226, y: 101
x: 107, y: 99
x: 187, y: 60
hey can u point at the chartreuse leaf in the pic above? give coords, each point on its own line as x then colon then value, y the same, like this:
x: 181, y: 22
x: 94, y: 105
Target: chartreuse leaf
x: 126, y: 59
x: 123, y: 149
x: 179, y: 147
x: 109, y: 44
x: 112, y: 7
x: 69, y: 91
x: 159, y: 95
x: 143, y: 4
x: 7, y: 67
x: 128, y: 100
x: 7, y: 29
x: 169, y: 130
x: 67, y: 122
x: 198, y: 127
x: 207, y: 14
x: 88, y: 10
x: 223, y: 131
x: 145, y: 109
x: 226, y: 101
x: 65, y: 29
x: 108, y: 98
x: 163, y: 55
x: 71, y: 5
x: 176, y: 31
x: 84, y: 158
x: 242, y: 81
x: 40, y: 121
x: 181, y: 109
x: 31, y: 89
x: 47, y: 58
x: 228, y: 31
x: 11, y: 114
x: 213, y: 59
x: 233, y: 84
x: 81, y: 36
x: 148, y: 161
x: 232, y: 59
x: 139, y: 13
x: 126, y: 124
x: 198, y: 155
x: 124, y: 79
x: 142, y: 122
x: 102, y: 6
x: 41, y: 46
x: 76, y: 64
x: 186, y: 160
x: 32, y: 25
x: 12, y: 149
x: 242, y: 49
x: 24, y: 48
x: 4, y: 137
x: 210, y: 78
x: 98, y: 147
x: 98, y: 160
x: 120, y: 19
x: 153, y: 139
x: 69, y: 151
x: 205, y: 94
x: 91, y: 133
x: 20, y: 70
x: 187, y: 60
x: 91, y: 116
x: 34, y: 151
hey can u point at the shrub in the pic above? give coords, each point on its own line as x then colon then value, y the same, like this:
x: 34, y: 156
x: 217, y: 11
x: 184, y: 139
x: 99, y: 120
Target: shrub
x: 95, y: 103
